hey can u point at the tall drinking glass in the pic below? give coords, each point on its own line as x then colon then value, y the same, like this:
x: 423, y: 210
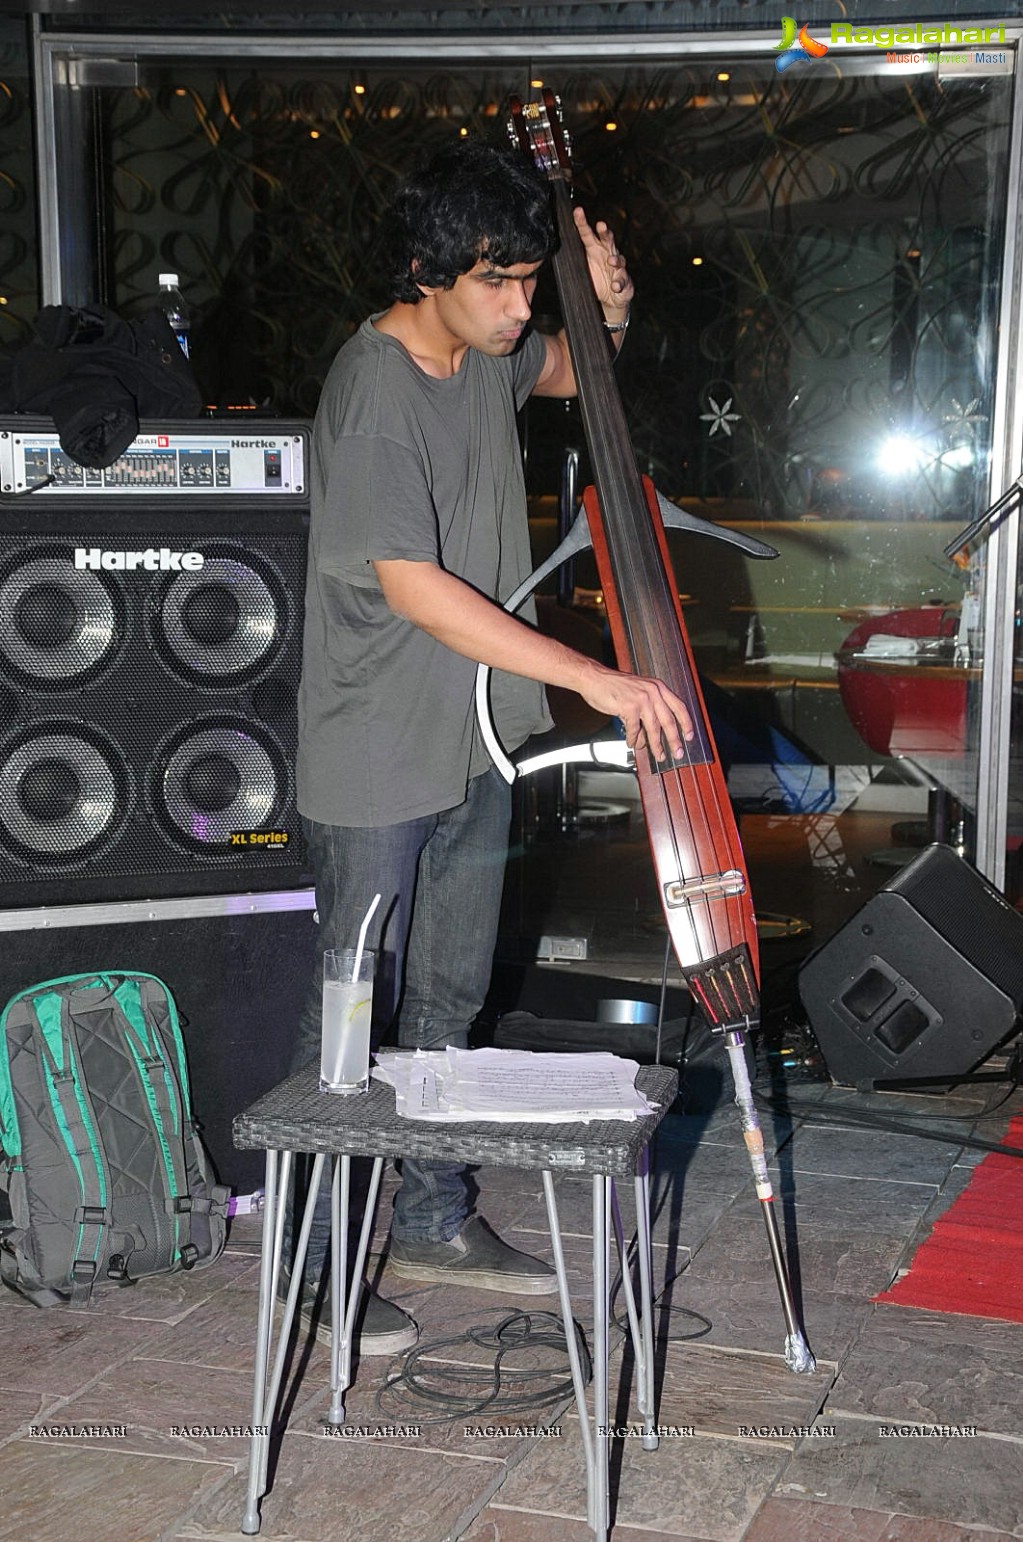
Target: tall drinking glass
x: 347, y: 1013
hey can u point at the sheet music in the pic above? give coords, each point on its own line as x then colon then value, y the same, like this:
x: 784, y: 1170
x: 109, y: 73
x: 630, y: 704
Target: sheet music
x: 512, y: 1086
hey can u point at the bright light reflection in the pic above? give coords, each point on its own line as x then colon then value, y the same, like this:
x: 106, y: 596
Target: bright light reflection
x: 899, y: 455
x: 958, y: 459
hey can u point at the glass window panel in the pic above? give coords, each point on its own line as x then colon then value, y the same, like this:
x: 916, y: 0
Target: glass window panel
x: 812, y: 356
x: 812, y: 359
x: 263, y: 189
x: 19, y: 276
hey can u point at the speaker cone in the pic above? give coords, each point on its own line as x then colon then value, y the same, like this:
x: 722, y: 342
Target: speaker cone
x: 64, y: 793
x: 216, y: 778
x: 59, y: 626
x: 223, y: 624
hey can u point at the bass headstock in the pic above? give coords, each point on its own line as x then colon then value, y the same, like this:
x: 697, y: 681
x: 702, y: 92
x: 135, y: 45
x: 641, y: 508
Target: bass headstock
x: 537, y: 130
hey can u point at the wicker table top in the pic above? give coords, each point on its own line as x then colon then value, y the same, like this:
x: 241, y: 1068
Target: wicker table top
x: 297, y: 1116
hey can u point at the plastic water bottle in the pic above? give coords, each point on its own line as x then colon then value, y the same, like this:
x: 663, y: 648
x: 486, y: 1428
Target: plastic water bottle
x: 172, y: 302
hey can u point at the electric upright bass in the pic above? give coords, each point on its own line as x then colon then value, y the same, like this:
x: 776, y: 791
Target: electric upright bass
x: 694, y: 841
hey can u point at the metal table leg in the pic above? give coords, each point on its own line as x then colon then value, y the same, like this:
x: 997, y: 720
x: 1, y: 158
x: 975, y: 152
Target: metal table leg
x: 600, y: 1517
x: 596, y: 1429
x: 278, y: 1173
x: 344, y: 1302
x: 265, y: 1396
x: 645, y: 1343
x: 568, y: 1322
x: 641, y: 1319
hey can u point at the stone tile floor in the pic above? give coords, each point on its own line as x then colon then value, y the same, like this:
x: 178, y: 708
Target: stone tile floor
x: 847, y: 1454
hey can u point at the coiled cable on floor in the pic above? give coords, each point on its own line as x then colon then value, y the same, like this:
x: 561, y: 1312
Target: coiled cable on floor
x: 501, y: 1387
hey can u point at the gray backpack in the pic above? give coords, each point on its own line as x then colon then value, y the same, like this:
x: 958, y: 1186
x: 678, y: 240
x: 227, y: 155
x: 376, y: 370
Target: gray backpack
x: 105, y: 1174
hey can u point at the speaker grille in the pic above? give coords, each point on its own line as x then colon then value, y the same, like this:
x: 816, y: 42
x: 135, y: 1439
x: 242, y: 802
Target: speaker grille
x: 64, y: 794
x: 60, y: 628
x: 223, y: 625
x: 216, y: 779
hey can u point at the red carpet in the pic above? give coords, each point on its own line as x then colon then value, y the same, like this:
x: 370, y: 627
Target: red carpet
x: 972, y: 1262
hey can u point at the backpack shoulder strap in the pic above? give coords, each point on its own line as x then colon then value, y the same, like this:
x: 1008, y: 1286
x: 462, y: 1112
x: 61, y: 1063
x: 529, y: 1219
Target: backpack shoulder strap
x: 164, y: 1080
x: 64, y: 1079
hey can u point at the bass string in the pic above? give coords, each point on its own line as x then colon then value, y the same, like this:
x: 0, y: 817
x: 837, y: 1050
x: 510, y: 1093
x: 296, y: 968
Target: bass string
x: 638, y: 569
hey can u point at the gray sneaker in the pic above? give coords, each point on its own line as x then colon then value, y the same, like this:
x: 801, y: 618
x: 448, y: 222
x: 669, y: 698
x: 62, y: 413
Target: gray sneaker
x: 381, y: 1328
x: 475, y: 1257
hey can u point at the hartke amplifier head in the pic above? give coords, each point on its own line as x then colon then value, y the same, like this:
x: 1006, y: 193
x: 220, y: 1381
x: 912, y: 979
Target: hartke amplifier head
x: 150, y: 653
x: 925, y: 981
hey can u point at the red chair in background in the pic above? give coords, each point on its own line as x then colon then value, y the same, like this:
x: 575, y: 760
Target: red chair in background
x: 909, y: 703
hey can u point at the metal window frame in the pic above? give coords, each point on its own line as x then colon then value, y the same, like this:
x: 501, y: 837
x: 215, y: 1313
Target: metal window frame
x: 1003, y: 547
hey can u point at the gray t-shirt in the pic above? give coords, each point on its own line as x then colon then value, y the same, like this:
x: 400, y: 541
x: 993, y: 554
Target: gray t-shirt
x: 407, y: 466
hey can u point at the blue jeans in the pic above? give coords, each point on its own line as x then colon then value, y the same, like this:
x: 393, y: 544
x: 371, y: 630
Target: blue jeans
x: 440, y: 879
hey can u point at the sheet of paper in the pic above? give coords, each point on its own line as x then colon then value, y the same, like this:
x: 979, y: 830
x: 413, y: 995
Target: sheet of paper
x: 514, y: 1086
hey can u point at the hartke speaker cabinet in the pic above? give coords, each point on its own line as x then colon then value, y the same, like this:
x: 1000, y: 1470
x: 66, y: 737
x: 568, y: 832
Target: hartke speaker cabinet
x: 148, y: 718
x: 925, y: 981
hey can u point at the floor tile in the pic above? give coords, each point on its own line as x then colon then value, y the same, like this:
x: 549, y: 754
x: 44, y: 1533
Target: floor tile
x: 497, y: 1524
x: 819, y: 1203
x: 60, y: 1351
x: 822, y: 1259
x: 168, y: 1298
x: 167, y: 1410
x: 718, y: 1163
x: 20, y: 1408
x: 749, y: 1316
x: 911, y: 1528
x: 377, y: 1409
x: 320, y: 1485
x: 220, y: 1334
x: 963, y: 1103
x: 54, y: 1492
x: 867, y: 1154
x: 467, y: 1337
x: 971, y: 1482
x: 723, y: 1393
x: 687, y: 1211
x: 680, y: 1214
x: 801, y: 1520
x: 691, y: 1487
x: 938, y: 1368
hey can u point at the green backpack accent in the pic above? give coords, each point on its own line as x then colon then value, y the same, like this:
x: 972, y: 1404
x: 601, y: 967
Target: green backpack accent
x: 106, y: 1175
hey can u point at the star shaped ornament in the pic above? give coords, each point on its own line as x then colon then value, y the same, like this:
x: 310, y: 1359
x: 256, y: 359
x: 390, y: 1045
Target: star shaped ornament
x: 720, y: 417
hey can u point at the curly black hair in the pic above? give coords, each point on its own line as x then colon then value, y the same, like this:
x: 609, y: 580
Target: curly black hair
x: 470, y: 201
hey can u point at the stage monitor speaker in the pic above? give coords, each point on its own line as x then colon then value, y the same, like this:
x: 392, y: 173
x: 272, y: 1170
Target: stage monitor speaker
x: 149, y: 663
x: 924, y: 982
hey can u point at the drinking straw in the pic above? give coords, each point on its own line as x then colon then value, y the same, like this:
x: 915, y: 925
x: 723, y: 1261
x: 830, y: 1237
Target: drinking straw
x: 364, y: 928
